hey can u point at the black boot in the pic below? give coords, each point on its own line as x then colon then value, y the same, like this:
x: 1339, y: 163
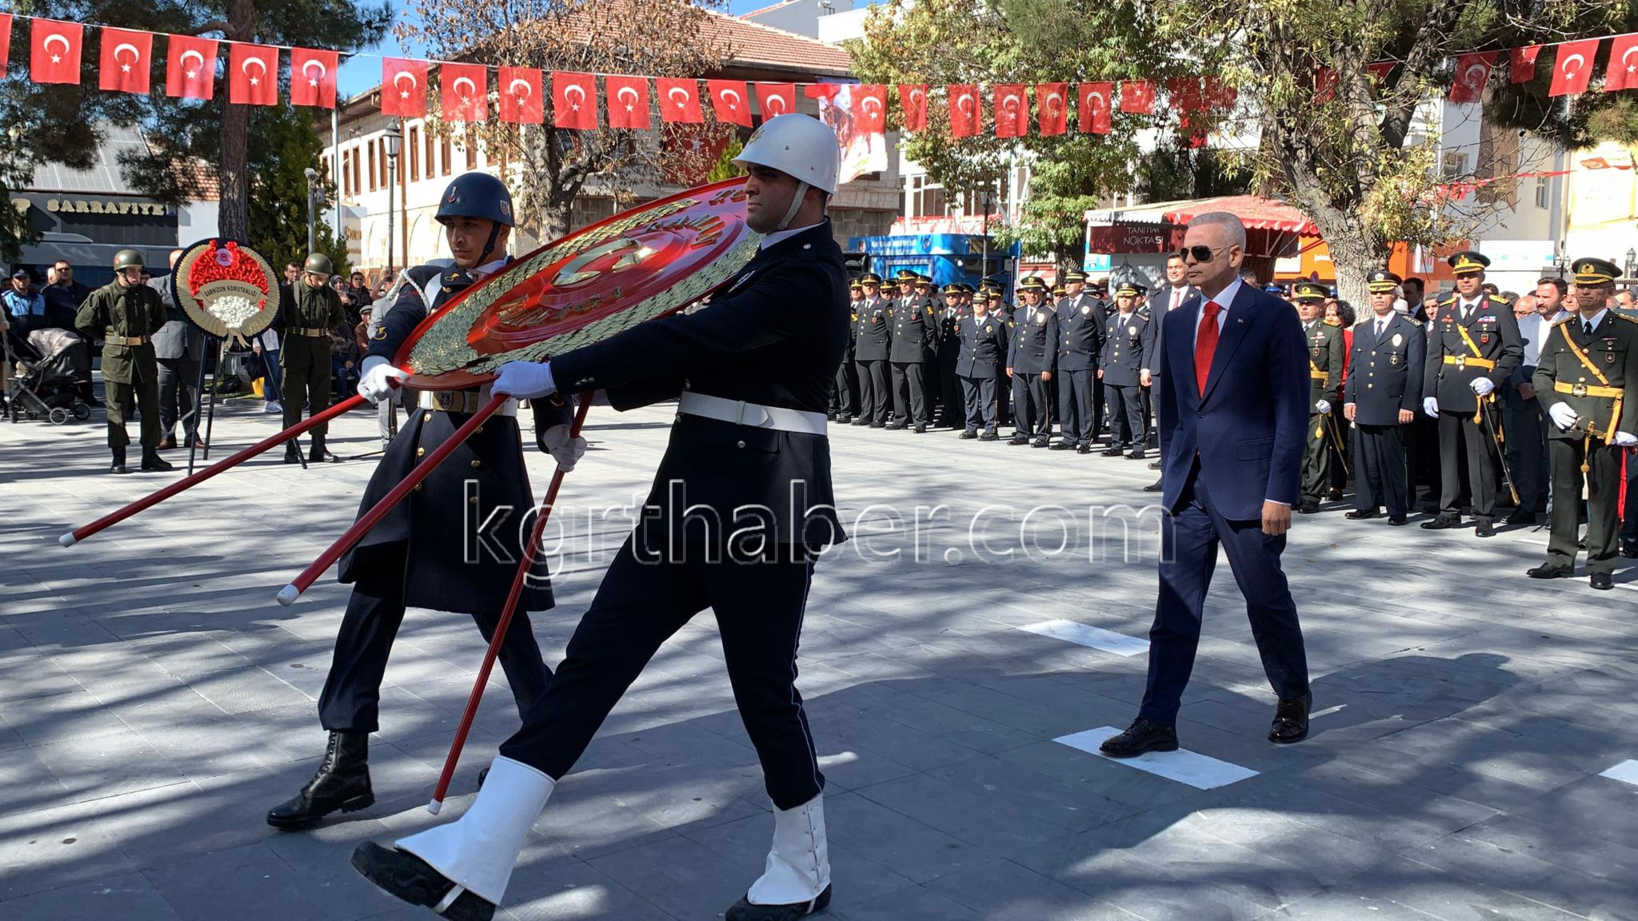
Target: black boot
x: 292, y: 454
x: 316, y: 454
x: 743, y: 910
x: 152, y: 461
x: 118, y: 466
x: 412, y: 879
x: 341, y: 782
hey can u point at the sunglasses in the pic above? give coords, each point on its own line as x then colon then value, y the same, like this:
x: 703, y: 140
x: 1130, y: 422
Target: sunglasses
x: 1198, y: 253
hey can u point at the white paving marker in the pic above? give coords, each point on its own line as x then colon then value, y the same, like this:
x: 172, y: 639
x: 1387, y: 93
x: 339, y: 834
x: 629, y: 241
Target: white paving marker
x: 1626, y: 772
x: 1096, y: 637
x: 1202, y: 772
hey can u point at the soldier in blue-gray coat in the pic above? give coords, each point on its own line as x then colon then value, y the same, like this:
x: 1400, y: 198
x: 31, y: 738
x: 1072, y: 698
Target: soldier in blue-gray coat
x: 981, y: 349
x: 1129, y: 340
x: 1030, y: 361
x: 1080, y: 341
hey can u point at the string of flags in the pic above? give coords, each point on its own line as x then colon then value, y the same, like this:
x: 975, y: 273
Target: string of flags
x: 126, y: 59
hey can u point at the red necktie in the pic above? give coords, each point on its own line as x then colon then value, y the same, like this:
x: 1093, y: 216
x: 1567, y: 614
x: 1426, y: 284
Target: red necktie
x: 1205, y: 343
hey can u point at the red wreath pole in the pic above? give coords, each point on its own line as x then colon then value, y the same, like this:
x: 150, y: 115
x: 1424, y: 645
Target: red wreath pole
x: 115, y: 517
x: 499, y: 636
x: 368, y: 520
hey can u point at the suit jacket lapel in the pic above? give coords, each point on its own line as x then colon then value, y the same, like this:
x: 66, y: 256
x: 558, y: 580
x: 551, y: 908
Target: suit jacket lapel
x: 1239, y: 320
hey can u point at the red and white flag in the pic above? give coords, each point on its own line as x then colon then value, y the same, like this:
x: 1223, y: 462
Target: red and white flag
x: 54, y: 51
x: 1472, y: 73
x: 913, y: 106
x: 313, y: 77
x: 1186, y: 94
x: 728, y: 101
x: 1052, y: 108
x: 253, y: 75
x: 126, y: 61
x: 1137, y: 97
x: 1521, y: 63
x: 627, y: 99
x: 5, y: 41
x: 521, y: 99
x: 1572, y: 71
x: 1622, y: 71
x: 403, y: 87
x: 574, y: 100
x: 775, y: 99
x: 871, y: 107
x: 1092, y: 110
x: 190, y: 67
x: 1378, y: 71
x: 965, y: 116
x: 679, y: 100
x: 464, y: 92
x: 1011, y: 110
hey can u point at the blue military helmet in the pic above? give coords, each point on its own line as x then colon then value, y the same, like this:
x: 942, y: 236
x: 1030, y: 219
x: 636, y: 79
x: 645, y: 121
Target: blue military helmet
x: 476, y: 195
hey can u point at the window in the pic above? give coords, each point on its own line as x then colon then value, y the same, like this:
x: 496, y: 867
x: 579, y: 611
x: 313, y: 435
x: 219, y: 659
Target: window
x: 448, y: 156
x: 471, y: 150
x: 358, y: 185
x: 369, y: 150
x: 1541, y: 192
x: 429, y: 155
x: 414, y: 153
x: 346, y: 172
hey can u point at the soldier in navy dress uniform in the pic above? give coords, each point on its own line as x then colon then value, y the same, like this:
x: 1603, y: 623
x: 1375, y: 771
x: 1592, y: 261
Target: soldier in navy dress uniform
x: 1472, y: 350
x: 1002, y: 312
x: 750, y: 372
x: 1587, y: 363
x: 872, y: 334
x: 1325, y: 357
x: 957, y: 306
x: 1080, y: 341
x: 843, y: 401
x: 1030, y: 359
x: 914, y: 331
x: 1128, y: 341
x: 981, y: 351
x: 1384, y: 392
x: 416, y: 556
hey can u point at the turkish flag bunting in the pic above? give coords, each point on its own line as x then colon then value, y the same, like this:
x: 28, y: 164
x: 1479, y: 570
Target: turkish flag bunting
x: 1011, y: 110
x: 1092, y: 110
x: 1521, y: 63
x: 728, y: 101
x: 1325, y: 85
x: 1622, y: 72
x: 521, y: 101
x: 1573, y: 68
x: 190, y: 67
x: 403, y: 87
x: 5, y: 41
x: 1379, y: 71
x: 628, y: 102
x: 1186, y: 94
x: 679, y: 100
x: 1052, y: 108
x: 574, y: 100
x: 1220, y: 95
x: 775, y: 99
x: 1472, y: 73
x: 1137, y: 97
x: 1191, y: 128
x: 464, y: 92
x: 253, y: 75
x: 962, y: 99
x: 54, y: 51
x: 870, y: 107
x: 313, y: 77
x: 125, y: 62
x: 913, y: 106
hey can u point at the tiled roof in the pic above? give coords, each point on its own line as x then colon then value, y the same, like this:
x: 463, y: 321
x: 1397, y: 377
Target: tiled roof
x: 753, y: 43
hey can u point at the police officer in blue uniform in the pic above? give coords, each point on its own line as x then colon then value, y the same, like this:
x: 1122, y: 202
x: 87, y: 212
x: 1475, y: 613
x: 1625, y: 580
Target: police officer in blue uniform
x: 915, y: 332
x: 872, y: 335
x: 1030, y: 359
x: 958, y: 305
x: 1384, y: 392
x: 981, y: 350
x: 1128, y: 342
x: 842, y: 399
x: 750, y: 373
x: 1080, y: 341
x: 416, y: 556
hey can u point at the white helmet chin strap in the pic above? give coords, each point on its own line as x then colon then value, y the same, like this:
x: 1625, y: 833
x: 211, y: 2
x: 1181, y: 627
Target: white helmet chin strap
x: 796, y: 205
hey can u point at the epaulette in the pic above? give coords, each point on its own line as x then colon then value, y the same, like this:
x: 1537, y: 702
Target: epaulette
x: 1332, y: 321
x: 1448, y: 301
x: 1621, y: 316
x: 1415, y: 322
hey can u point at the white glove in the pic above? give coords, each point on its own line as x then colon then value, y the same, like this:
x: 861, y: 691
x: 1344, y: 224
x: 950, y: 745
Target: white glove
x: 565, y: 450
x: 1624, y: 440
x: 1430, y: 405
x: 526, y: 380
x: 375, y: 384
x: 1563, y: 416
x: 1323, y: 406
x: 1482, y: 385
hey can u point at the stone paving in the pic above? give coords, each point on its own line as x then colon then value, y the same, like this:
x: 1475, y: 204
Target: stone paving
x: 155, y: 702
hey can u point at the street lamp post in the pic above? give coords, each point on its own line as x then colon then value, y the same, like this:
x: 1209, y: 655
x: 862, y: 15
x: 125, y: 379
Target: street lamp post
x: 312, y: 237
x: 394, y: 140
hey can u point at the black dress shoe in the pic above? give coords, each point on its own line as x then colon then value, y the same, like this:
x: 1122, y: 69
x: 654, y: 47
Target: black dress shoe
x: 118, y: 466
x: 1135, y: 454
x: 830, y: 417
x: 921, y: 428
x: 1629, y: 549
x: 151, y: 461
x: 844, y: 419
x: 1112, y: 451
x: 895, y: 426
x: 1041, y: 441
x: 969, y: 433
x: 1334, y: 494
x: 1142, y: 736
x: 862, y: 420
x: 1083, y: 449
x: 412, y: 879
x: 1290, y: 720
x: 1398, y: 520
x: 1156, y: 486
x: 1018, y: 439
x: 1443, y: 521
x: 878, y: 425
x: 1063, y: 446
x: 989, y: 436
x: 1485, y: 528
x: 292, y: 454
x: 1601, y: 581
x: 1521, y: 516
x: 1549, y: 571
x: 743, y: 910
x: 341, y: 782
x: 1360, y: 514
x: 1308, y: 506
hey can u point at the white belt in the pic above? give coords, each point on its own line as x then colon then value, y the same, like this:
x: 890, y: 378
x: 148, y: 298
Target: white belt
x: 754, y: 415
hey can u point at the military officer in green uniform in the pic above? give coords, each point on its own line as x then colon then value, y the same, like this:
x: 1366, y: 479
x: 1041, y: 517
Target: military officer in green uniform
x: 1586, y: 364
x: 125, y: 314
x: 313, y: 310
x: 1325, y: 350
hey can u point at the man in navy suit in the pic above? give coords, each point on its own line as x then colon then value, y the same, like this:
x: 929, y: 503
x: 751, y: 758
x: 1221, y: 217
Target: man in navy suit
x: 1233, y: 410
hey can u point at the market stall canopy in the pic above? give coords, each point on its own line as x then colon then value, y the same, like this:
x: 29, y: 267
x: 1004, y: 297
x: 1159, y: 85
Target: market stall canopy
x: 1255, y: 212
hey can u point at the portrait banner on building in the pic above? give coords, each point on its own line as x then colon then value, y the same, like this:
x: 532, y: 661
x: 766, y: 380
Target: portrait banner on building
x: 860, y: 134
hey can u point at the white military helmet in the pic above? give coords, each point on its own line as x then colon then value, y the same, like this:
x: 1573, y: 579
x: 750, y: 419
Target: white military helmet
x: 800, y: 146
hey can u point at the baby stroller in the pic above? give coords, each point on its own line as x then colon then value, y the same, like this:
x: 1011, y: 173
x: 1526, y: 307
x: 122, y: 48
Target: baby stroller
x: 46, y: 370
